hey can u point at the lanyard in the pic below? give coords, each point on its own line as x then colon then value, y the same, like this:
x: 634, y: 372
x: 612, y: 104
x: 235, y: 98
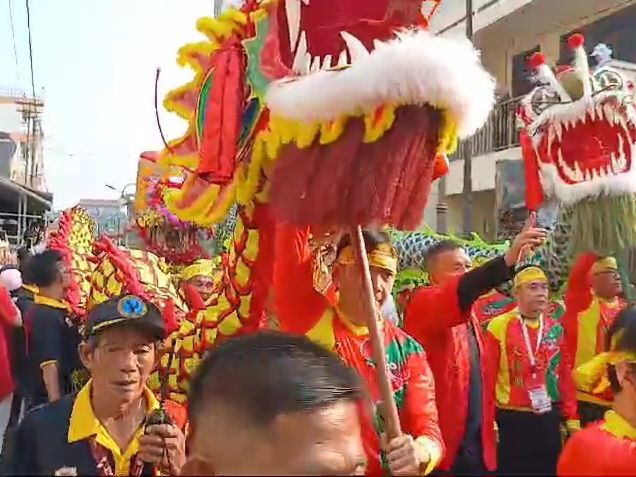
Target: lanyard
x: 526, y: 338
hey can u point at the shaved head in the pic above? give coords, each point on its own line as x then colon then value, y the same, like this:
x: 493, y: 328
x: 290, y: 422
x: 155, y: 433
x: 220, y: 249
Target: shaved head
x: 272, y: 403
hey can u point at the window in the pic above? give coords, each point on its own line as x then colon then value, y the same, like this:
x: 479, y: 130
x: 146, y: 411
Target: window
x: 616, y: 30
x: 522, y: 82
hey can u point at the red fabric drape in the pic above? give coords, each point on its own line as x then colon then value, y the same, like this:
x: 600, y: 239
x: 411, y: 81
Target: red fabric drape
x: 218, y: 146
x: 534, y: 190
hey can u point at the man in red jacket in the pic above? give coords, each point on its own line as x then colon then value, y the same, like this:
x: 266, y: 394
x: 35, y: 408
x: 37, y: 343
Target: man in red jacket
x: 440, y: 318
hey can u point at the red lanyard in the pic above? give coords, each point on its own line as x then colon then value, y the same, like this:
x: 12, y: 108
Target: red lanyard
x: 526, y: 338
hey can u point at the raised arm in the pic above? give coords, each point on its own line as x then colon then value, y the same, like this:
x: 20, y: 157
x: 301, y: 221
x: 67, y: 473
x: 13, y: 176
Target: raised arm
x: 298, y: 305
x: 567, y: 391
x: 438, y: 308
x: 578, y: 294
x: 578, y: 297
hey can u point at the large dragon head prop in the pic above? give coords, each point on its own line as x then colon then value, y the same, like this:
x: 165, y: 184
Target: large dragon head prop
x: 578, y: 140
x: 326, y: 80
x: 73, y: 238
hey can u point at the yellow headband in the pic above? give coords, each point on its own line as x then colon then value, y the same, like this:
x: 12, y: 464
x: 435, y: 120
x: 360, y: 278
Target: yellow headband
x: 604, y: 264
x: 384, y: 257
x: 204, y: 268
x: 528, y: 275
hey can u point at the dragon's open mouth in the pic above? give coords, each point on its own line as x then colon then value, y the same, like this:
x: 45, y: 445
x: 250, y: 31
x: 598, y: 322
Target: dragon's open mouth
x: 598, y: 143
x: 311, y: 36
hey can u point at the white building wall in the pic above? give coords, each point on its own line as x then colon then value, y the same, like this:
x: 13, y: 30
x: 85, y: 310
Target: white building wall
x: 10, y: 118
x: 12, y: 124
x: 450, y: 18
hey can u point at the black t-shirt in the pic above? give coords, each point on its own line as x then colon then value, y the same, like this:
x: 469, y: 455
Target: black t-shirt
x: 17, y: 340
x: 53, y: 337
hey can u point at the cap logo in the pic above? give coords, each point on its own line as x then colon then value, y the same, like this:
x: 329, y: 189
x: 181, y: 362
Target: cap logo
x: 132, y: 307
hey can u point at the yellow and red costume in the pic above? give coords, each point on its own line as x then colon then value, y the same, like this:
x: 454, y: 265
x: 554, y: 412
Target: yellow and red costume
x: 508, y: 364
x: 607, y: 447
x: 586, y: 322
x: 301, y: 309
x: 523, y: 363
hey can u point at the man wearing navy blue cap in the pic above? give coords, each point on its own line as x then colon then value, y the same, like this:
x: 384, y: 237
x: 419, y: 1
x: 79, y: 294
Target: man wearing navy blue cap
x: 105, y: 429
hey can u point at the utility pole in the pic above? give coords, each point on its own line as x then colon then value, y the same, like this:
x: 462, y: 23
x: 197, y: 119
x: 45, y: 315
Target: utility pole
x: 467, y: 193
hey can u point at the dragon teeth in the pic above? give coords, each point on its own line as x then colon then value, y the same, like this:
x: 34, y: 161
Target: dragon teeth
x: 301, y: 60
x: 356, y: 49
x: 292, y: 8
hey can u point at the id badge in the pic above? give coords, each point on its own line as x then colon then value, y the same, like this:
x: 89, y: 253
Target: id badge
x: 539, y: 399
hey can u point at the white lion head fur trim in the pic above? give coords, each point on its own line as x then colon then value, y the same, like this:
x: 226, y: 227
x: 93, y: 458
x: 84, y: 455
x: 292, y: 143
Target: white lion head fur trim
x: 416, y: 67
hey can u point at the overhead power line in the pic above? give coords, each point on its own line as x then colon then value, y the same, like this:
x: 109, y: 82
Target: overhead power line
x: 15, y: 48
x: 28, y: 11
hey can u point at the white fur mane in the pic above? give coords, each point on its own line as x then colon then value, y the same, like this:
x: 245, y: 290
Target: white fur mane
x: 416, y: 68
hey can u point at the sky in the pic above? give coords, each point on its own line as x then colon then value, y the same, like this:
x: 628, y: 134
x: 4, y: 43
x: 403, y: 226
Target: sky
x: 94, y: 65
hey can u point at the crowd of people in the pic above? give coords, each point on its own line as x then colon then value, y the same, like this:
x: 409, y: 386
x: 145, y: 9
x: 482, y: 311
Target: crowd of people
x: 545, y: 388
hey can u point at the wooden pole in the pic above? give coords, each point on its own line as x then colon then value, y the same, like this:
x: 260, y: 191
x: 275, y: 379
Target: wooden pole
x: 389, y: 409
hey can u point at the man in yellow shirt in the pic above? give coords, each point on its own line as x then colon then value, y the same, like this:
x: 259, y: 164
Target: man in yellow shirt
x: 111, y: 426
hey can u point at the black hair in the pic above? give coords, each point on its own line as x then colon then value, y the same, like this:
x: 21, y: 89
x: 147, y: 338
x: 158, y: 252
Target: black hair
x: 626, y: 324
x: 266, y: 374
x: 8, y: 267
x: 43, y: 268
x: 24, y: 257
x: 372, y: 240
x: 438, y: 248
x: 23, y: 254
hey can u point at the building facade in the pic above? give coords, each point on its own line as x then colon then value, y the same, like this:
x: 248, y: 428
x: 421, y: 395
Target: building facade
x: 24, y: 199
x: 507, y: 32
x: 109, y: 215
x: 21, y: 140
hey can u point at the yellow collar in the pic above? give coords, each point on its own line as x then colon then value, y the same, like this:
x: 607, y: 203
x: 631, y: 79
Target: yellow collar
x: 611, y: 302
x: 32, y: 288
x: 618, y: 427
x: 358, y: 330
x: 52, y: 302
x: 84, y: 423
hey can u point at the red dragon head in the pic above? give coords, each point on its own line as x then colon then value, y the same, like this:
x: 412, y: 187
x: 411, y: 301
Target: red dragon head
x: 579, y: 132
x: 280, y: 77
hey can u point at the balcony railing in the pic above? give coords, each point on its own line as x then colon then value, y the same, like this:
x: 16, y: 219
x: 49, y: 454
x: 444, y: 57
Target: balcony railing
x: 499, y: 132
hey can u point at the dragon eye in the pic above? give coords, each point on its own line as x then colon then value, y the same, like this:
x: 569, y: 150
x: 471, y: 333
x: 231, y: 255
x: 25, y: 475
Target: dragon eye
x: 542, y: 98
x: 608, y: 80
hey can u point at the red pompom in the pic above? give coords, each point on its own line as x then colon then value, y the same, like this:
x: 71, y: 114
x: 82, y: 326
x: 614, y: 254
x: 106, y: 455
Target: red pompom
x: 537, y: 60
x: 576, y: 41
